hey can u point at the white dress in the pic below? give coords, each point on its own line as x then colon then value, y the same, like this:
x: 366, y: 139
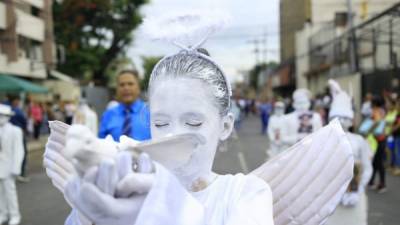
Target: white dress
x: 230, y: 200
x: 356, y: 215
x: 275, y: 129
x: 296, y: 127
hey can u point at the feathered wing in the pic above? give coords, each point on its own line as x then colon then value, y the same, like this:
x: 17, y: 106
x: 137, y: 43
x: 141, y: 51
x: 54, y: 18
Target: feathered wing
x: 308, y: 179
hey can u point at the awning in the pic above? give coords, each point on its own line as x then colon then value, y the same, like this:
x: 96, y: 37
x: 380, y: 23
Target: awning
x: 63, y: 77
x: 9, y: 83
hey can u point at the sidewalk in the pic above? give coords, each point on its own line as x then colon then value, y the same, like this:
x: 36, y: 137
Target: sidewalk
x: 34, y: 145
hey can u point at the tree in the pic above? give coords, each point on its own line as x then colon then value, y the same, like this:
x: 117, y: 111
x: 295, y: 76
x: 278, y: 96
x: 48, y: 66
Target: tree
x: 148, y: 65
x: 94, y: 33
x: 256, y: 70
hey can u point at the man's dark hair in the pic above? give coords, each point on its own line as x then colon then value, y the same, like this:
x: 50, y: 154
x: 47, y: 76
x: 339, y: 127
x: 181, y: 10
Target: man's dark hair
x: 135, y: 73
x: 378, y: 101
x: 12, y: 98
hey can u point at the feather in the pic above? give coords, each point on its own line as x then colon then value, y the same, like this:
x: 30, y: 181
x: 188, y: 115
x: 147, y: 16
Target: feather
x: 308, y: 179
x: 334, y: 86
x: 187, y: 30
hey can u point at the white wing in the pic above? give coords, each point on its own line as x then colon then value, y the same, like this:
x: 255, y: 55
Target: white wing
x: 308, y: 179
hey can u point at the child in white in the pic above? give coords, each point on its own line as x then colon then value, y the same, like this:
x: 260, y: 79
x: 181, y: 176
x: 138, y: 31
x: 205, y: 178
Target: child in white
x: 276, y: 122
x: 353, y: 208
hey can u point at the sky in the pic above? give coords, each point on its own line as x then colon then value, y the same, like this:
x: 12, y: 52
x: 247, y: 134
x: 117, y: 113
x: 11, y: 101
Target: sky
x: 233, y: 47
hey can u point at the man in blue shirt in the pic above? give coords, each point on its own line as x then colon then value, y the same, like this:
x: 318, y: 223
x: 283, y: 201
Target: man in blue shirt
x: 131, y: 117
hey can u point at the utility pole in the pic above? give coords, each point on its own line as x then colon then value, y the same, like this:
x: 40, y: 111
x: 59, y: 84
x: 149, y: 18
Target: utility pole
x: 352, y: 38
x: 256, y: 50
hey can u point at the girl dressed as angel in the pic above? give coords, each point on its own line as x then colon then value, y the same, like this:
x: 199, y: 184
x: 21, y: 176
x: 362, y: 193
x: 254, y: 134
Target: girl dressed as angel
x: 189, y: 93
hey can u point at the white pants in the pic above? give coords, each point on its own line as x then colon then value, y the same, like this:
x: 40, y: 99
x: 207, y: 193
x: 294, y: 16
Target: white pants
x: 356, y: 215
x: 8, y: 199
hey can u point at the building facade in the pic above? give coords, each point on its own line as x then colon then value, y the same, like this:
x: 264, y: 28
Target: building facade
x: 27, y: 45
x: 363, y: 59
x: 293, y: 15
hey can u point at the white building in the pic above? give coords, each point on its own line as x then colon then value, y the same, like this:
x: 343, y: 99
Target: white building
x: 27, y: 46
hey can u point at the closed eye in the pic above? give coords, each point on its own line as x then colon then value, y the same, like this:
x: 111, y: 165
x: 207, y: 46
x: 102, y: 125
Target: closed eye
x: 161, y: 125
x: 195, y: 124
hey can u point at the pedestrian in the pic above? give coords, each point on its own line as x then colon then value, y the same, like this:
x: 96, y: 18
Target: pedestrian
x: 366, y: 108
x: 36, y: 114
x: 131, y: 116
x: 378, y: 131
x: 19, y: 119
x: 265, y: 109
x: 11, y: 157
x: 69, y: 109
x: 353, y: 207
x: 396, y: 138
x: 302, y: 121
x: 276, y: 122
x: 86, y: 116
x: 390, y: 119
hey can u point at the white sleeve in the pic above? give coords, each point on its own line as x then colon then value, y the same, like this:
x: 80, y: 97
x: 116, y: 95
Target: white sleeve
x: 366, y: 158
x: 75, y: 218
x: 317, y: 122
x: 169, y: 203
x: 254, y: 206
x: 18, y: 151
x: 270, y: 129
x: 289, y: 134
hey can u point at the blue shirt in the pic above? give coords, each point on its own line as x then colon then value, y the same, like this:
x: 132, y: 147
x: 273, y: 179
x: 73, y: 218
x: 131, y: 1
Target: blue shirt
x: 112, y: 121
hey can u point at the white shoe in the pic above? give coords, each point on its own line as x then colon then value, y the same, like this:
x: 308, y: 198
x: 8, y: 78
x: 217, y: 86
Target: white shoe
x: 14, y: 221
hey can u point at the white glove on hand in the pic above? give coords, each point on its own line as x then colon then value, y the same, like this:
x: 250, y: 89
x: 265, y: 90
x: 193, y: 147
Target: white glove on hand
x: 58, y: 168
x: 94, y: 195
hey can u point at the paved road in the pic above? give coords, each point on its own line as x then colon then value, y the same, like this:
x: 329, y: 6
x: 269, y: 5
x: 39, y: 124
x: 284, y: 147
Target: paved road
x: 41, y: 204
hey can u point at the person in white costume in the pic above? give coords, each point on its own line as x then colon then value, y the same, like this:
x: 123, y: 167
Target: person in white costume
x: 11, y: 156
x: 353, y: 207
x: 276, y: 122
x: 86, y: 116
x: 302, y: 121
x: 190, y: 95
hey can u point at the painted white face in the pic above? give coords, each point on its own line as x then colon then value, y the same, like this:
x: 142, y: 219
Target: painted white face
x: 302, y: 105
x: 4, y: 119
x: 279, y: 111
x: 185, y: 105
x: 345, y: 122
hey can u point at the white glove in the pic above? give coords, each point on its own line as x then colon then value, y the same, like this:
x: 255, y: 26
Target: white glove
x: 94, y: 195
x: 58, y: 168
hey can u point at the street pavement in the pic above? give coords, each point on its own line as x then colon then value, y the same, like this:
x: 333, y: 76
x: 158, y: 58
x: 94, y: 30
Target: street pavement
x: 42, y: 204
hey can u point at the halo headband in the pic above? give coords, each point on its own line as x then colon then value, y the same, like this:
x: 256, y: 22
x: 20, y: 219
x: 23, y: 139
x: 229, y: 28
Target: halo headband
x: 188, y: 31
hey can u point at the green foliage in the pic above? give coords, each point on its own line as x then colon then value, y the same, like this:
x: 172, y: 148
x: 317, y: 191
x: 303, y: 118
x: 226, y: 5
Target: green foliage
x: 256, y: 70
x: 148, y: 65
x: 94, y: 33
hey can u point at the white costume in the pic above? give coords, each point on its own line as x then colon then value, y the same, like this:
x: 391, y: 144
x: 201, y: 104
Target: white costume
x: 302, y: 121
x: 190, y: 96
x: 11, y: 156
x: 86, y: 116
x: 354, y: 204
x: 275, y: 124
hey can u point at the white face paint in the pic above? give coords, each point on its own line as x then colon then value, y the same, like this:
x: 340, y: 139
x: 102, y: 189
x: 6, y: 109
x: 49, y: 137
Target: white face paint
x: 301, y: 105
x: 185, y: 105
x: 279, y: 111
x: 345, y: 122
x: 4, y: 119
